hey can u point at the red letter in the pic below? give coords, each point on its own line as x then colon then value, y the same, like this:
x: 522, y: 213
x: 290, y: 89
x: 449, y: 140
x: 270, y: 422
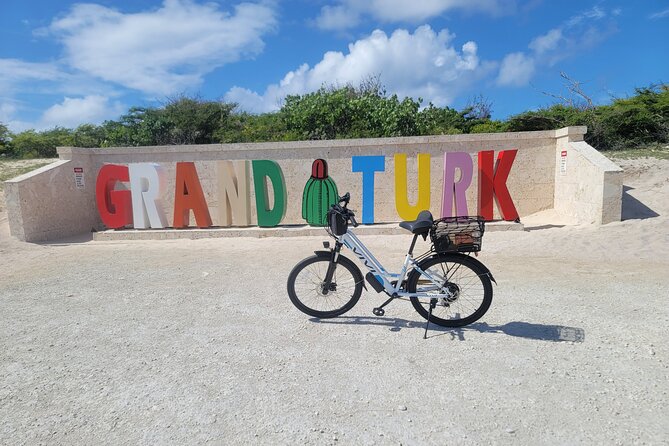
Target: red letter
x: 189, y: 195
x: 114, y: 206
x: 493, y: 184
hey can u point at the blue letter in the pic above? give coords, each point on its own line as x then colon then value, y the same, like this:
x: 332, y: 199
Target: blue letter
x: 368, y: 165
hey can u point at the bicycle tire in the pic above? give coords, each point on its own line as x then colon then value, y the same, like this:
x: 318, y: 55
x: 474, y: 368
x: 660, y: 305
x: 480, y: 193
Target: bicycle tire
x: 469, y: 281
x: 351, y: 283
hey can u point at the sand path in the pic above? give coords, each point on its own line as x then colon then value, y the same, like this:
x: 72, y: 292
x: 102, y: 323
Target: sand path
x: 196, y: 342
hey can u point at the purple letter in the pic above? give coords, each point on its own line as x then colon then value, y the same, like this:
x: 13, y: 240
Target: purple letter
x: 456, y: 191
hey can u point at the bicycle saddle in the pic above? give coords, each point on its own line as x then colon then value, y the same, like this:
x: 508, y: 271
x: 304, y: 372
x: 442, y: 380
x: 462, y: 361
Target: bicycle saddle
x: 420, y: 225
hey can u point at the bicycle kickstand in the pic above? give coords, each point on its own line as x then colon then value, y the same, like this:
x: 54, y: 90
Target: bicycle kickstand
x: 433, y: 303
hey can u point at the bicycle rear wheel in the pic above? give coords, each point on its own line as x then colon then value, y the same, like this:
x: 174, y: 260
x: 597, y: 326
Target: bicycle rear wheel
x: 305, y: 286
x: 466, y: 281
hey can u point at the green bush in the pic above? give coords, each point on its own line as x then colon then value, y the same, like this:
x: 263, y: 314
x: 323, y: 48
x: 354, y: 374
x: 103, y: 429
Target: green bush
x: 33, y: 144
x: 489, y: 127
x: 5, y: 148
x: 365, y: 111
x: 630, y: 122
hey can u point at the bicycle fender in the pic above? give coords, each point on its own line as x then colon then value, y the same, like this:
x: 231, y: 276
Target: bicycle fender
x: 328, y: 254
x: 478, y: 263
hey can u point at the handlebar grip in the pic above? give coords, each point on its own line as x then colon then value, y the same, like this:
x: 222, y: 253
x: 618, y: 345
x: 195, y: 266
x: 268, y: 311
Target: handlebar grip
x: 345, y: 199
x: 355, y: 223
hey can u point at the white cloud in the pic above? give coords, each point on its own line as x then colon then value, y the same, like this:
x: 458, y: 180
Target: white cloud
x: 165, y: 50
x: 7, y: 111
x: 423, y: 64
x: 14, y: 71
x: 75, y: 111
x: 547, y: 42
x: 337, y: 17
x: 516, y: 70
x: 69, y: 113
x: 659, y: 15
x: 348, y: 13
x: 579, y: 33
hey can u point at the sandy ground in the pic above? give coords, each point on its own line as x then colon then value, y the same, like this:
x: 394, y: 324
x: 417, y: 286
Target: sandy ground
x: 10, y: 168
x: 193, y: 342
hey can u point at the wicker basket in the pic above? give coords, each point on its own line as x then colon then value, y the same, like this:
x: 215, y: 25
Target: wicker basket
x: 460, y: 234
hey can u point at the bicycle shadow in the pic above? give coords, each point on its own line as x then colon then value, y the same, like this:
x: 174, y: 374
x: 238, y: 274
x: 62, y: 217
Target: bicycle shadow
x: 526, y: 330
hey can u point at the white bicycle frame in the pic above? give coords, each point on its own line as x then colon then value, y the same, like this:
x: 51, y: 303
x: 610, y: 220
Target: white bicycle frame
x: 352, y: 242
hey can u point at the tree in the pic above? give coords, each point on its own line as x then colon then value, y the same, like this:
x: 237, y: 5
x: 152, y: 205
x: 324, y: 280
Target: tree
x: 5, y: 149
x: 193, y: 120
x: 88, y: 135
x: 32, y: 144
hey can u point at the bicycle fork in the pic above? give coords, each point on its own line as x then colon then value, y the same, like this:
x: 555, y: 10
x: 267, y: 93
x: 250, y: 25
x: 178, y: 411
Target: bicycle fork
x: 327, y: 284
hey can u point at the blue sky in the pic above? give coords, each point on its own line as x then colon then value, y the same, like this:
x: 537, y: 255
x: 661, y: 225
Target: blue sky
x: 65, y: 63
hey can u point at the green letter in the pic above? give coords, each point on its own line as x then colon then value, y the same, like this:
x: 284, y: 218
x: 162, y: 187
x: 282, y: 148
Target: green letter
x: 262, y: 170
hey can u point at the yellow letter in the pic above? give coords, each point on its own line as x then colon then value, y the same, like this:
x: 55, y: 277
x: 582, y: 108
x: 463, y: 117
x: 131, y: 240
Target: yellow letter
x: 404, y: 209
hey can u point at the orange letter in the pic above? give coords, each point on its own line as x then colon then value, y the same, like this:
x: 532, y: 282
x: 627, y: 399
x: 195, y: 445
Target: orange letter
x: 189, y: 195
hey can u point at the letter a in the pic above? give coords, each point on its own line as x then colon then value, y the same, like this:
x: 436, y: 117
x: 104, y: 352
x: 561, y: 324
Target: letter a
x: 189, y: 196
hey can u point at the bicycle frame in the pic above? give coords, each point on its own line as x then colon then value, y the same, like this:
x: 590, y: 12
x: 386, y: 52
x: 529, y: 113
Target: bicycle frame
x: 352, y: 242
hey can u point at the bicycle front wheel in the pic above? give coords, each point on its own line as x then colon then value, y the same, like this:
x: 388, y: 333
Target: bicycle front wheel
x: 306, y: 286
x: 460, y: 285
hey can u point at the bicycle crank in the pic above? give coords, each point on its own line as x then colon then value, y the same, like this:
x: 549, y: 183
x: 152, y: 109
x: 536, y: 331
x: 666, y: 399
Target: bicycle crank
x: 379, y: 311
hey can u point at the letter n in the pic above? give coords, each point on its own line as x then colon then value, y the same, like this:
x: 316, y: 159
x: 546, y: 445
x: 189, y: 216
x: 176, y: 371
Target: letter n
x: 233, y: 193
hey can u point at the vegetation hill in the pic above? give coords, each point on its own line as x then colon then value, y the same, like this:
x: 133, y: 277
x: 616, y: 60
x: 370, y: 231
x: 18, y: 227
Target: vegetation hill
x: 349, y: 112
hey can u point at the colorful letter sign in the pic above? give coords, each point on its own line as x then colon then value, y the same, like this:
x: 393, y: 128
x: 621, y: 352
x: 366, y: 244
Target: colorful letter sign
x: 142, y: 205
x: 188, y: 196
x: 456, y: 191
x: 148, y: 185
x: 492, y: 183
x: 404, y: 209
x: 233, y: 193
x: 264, y: 170
x: 114, y: 206
x: 368, y: 165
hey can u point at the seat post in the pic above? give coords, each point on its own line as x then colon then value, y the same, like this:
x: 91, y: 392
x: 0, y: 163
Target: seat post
x: 413, y: 243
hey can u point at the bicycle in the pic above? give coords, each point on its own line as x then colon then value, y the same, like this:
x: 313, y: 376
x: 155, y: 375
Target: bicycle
x: 446, y: 285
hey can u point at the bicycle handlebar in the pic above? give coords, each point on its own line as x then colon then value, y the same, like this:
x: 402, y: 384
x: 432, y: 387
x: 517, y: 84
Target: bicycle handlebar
x: 344, y: 209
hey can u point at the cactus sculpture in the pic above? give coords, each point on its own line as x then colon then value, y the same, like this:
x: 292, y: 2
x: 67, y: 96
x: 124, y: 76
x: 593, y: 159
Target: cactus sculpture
x: 320, y: 193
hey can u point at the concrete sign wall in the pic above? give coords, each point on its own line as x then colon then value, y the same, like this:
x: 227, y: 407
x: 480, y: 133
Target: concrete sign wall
x: 502, y: 176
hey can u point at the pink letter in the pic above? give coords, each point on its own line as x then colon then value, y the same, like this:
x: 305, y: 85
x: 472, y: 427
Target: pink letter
x: 456, y: 191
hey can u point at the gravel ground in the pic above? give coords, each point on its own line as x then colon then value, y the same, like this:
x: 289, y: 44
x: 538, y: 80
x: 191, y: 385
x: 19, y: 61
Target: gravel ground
x: 193, y: 342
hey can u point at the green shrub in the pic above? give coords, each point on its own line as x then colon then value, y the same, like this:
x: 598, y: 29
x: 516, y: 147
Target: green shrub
x: 33, y: 144
x: 489, y: 127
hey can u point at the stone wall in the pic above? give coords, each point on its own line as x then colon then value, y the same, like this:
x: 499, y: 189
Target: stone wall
x: 588, y: 187
x: 45, y: 204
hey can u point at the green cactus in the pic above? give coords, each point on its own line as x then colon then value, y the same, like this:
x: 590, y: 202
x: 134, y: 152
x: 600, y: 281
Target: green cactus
x: 320, y: 193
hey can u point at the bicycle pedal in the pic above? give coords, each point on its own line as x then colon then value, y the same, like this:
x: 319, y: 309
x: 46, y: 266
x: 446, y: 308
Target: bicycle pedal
x: 378, y: 311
